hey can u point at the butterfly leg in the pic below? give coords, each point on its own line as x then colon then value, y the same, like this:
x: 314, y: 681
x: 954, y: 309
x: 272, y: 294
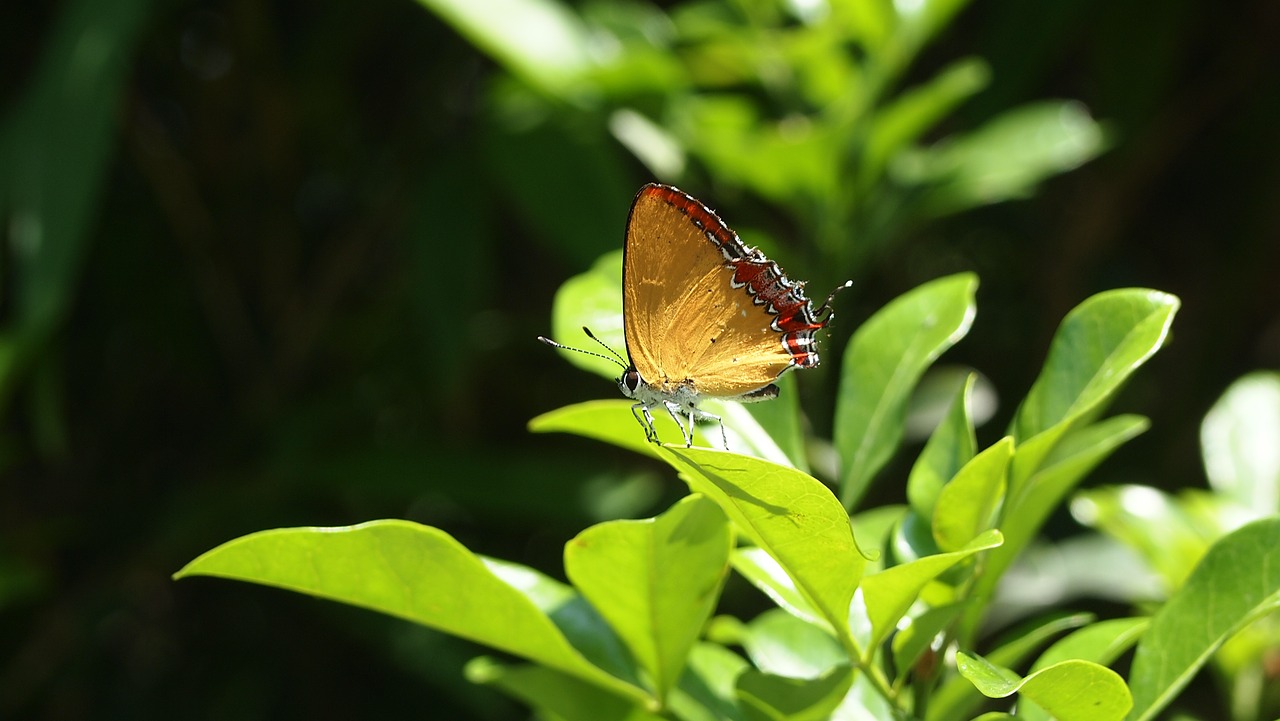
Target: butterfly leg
x: 724, y: 437
x: 650, y: 433
x: 687, y: 433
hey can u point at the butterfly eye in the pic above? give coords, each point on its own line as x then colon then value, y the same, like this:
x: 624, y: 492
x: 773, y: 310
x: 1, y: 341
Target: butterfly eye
x: 629, y: 382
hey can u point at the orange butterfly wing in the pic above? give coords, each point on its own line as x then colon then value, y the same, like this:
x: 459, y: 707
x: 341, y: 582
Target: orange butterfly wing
x: 684, y: 320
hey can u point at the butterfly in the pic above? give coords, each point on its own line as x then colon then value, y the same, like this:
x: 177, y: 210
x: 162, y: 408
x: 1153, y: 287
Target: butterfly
x: 704, y: 315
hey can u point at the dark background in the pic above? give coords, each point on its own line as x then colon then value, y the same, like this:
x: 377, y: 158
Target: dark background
x: 300, y: 286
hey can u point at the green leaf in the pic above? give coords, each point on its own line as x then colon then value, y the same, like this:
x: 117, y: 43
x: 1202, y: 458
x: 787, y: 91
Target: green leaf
x: 58, y: 138
x: 655, y: 581
x: 555, y: 694
x: 952, y: 445
x: 410, y: 571
x: 884, y: 360
x: 1099, y: 345
x: 1150, y: 522
x: 967, y: 504
x: 913, y: 112
x: 767, y: 697
x: 1238, y: 438
x: 1236, y: 582
x: 1025, y: 510
x: 957, y: 698
x: 708, y: 688
x: 888, y: 594
x: 758, y: 567
x: 1069, y: 690
x: 609, y: 421
x: 783, y: 645
x: 592, y: 299
x: 1004, y: 159
x: 1101, y: 643
x: 792, y: 516
x: 541, y: 41
x: 613, y: 421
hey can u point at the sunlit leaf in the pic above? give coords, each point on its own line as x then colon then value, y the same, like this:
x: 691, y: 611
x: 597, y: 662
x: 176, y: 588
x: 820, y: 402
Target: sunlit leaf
x: 1238, y: 438
x: 792, y: 516
x: 656, y: 581
x: 1236, y: 582
x: 1069, y: 690
x: 410, y: 571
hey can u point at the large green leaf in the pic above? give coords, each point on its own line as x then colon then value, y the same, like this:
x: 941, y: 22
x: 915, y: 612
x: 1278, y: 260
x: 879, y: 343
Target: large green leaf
x: 1238, y: 440
x: 656, y: 581
x: 792, y: 516
x: 610, y: 421
x: 1069, y: 690
x: 1004, y: 159
x: 613, y: 421
x: 413, y: 572
x: 1099, y: 345
x: 882, y: 364
x: 1236, y: 582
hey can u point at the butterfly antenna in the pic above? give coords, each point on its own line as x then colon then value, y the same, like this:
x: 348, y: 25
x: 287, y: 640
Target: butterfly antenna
x: 611, y: 359
x: 615, y: 353
x: 826, y: 304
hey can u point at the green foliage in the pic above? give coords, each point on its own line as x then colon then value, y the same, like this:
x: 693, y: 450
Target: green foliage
x: 802, y: 106
x: 632, y: 637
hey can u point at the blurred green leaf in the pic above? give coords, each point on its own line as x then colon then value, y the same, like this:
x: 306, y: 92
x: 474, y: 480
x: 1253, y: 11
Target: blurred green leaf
x: 1004, y: 159
x: 952, y: 445
x: 781, y: 644
x: 409, y: 571
x: 967, y: 504
x: 884, y: 360
x: 1069, y: 690
x: 57, y: 140
x: 1238, y: 440
x: 592, y: 299
x: 541, y: 41
x: 1235, y: 583
x: 792, y: 516
x: 912, y: 113
x: 1150, y: 522
x: 656, y: 581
